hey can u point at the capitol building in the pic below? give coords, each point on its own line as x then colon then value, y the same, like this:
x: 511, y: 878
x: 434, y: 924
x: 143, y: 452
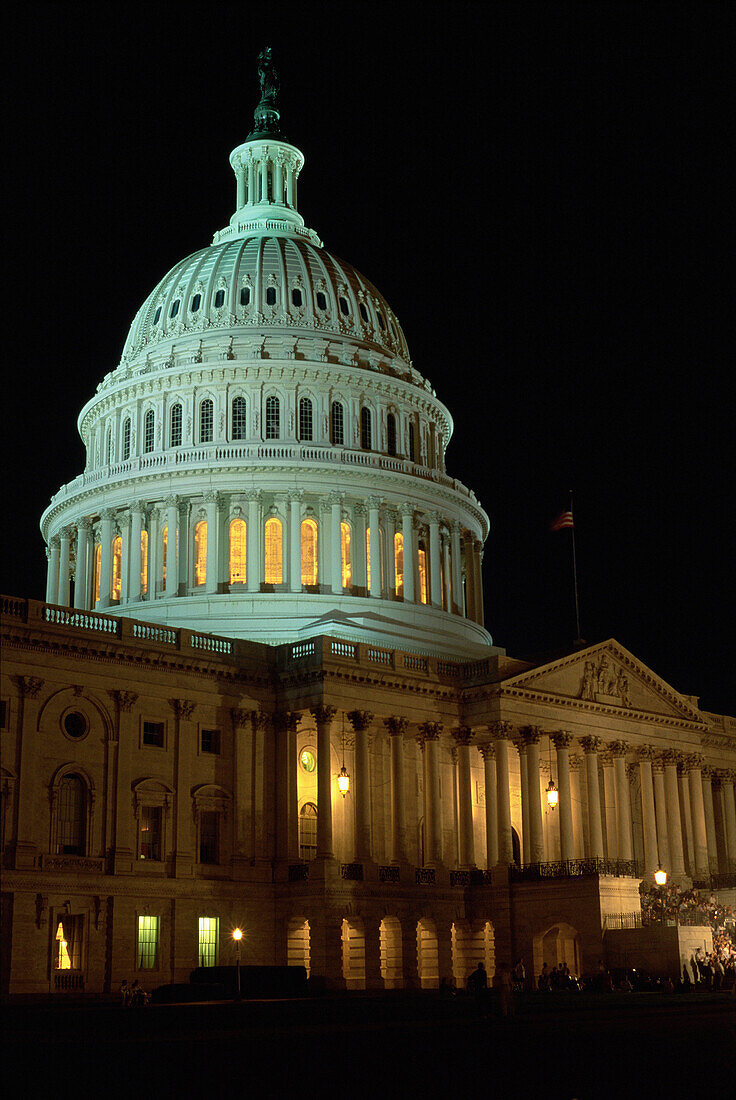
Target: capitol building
x: 260, y: 692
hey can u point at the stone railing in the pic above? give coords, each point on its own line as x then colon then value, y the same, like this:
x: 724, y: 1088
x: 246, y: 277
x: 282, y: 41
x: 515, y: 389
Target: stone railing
x: 389, y: 874
x: 574, y: 868
x: 615, y: 922
x: 353, y: 872
x: 298, y: 872
x: 425, y: 876
x: 89, y: 865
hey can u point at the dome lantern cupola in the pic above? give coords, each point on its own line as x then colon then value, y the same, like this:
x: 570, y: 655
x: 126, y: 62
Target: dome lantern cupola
x: 266, y: 171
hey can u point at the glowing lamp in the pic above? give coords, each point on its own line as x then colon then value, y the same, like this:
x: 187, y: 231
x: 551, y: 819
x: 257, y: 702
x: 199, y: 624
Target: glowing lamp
x: 237, y: 935
x: 552, y: 794
x: 343, y: 781
x: 660, y: 876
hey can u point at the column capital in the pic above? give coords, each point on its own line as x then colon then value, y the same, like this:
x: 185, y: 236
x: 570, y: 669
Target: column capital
x: 396, y: 726
x: 463, y: 735
x: 253, y: 494
x: 694, y: 761
x: 28, y: 685
x: 375, y: 502
x: 171, y: 501
x: 293, y: 495
x: 429, y: 731
x: 335, y: 498
x: 707, y: 771
x: 212, y: 497
x: 670, y: 758
x: 67, y: 532
x: 124, y: 699
x: 433, y: 517
x: 260, y: 720
x: 240, y: 716
x: 286, y: 721
x: 644, y: 752
x: 182, y: 708
x: 108, y: 514
x: 502, y: 731
x: 323, y: 713
x: 487, y: 750
x: 725, y: 775
x: 561, y: 739
x: 124, y: 520
x: 360, y: 719
x: 606, y: 757
x: 407, y: 509
x: 137, y: 506
x: 618, y: 748
x: 529, y: 735
x: 84, y: 524
x: 575, y: 762
x: 359, y: 508
x: 591, y: 744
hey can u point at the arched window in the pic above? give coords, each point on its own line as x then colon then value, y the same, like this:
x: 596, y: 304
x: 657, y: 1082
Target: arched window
x: 108, y: 448
x: 97, y: 573
x: 206, y: 420
x: 273, y: 418
x: 346, y: 554
x: 219, y: 299
x: 117, y: 568
x: 305, y: 419
x: 200, y: 552
x: 308, y: 831
x: 175, y: 426
x: 144, y: 562
x: 71, y: 823
x: 149, y: 424
x: 164, y: 543
x: 245, y: 296
x: 237, y: 551
x: 337, y: 423
x: 365, y: 429
x: 364, y: 312
x: 399, y: 562
x: 296, y: 297
x: 175, y: 308
x: 309, y: 551
x: 344, y: 307
x: 271, y: 296
x: 321, y: 300
x: 126, y: 438
x: 238, y: 418
x: 274, y: 563
x: 391, y: 433
x: 412, y: 443
x: 196, y: 303
x: 422, y: 562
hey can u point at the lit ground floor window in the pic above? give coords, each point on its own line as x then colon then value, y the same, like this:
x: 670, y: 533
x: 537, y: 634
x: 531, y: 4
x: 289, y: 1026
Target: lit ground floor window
x: 209, y: 940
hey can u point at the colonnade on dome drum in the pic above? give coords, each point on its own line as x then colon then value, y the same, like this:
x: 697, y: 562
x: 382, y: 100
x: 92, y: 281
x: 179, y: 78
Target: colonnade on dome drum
x: 253, y: 542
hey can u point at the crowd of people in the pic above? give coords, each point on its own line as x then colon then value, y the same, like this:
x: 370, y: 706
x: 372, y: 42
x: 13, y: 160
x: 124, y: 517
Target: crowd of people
x: 660, y: 904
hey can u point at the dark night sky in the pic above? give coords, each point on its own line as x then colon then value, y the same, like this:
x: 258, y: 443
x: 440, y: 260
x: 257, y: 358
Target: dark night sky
x: 541, y: 195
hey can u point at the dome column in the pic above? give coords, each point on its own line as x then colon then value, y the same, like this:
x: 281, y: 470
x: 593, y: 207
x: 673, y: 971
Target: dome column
x: 107, y: 520
x: 447, y: 574
x: 62, y: 596
x: 153, y: 578
x: 240, y: 178
x: 323, y: 716
x: 435, y: 560
x: 488, y: 753
x: 295, y: 544
x: 133, y: 593
x: 361, y: 720
x: 52, y: 570
x: 124, y: 532
x: 396, y: 728
x: 466, y: 845
x: 253, y: 541
x: 360, y: 573
x: 457, y: 570
x: 469, y: 578
x: 478, y: 580
x: 501, y: 732
x: 336, y: 500
x: 278, y: 180
x: 389, y: 521
x: 185, y: 556
x: 212, y: 579
x: 407, y: 527
x: 430, y: 743
x: 81, y: 598
x: 172, y: 559
x: 374, y: 504
x: 251, y: 198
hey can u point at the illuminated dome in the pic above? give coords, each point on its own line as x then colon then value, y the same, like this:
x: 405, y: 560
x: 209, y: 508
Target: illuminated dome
x: 266, y: 411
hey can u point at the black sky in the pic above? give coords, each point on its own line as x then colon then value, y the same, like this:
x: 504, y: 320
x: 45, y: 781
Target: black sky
x: 543, y: 193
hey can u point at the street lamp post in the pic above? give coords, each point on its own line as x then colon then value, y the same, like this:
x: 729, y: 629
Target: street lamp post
x: 237, y: 936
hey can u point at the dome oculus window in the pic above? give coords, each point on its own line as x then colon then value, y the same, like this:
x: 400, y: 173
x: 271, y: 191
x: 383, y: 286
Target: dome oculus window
x: 321, y: 301
x: 157, y: 315
x: 381, y: 321
x: 308, y: 760
x: 175, y: 308
x: 364, y: 312
x: 271, y: 296
x: 244, y: 295
x: 344, y: 306
x: 75, y: 725
x: 196, y: 303
x: 219, y: 299
x: 296, y: 297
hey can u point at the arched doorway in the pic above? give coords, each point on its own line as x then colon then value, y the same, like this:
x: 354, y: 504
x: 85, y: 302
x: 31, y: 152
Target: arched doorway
x: 428, y: 954
x: 308, y: 832
x: 392, y: 970
x: 297, y: 943
x: 353, y: 953
x: 472, y: 943
x: 559, y: 944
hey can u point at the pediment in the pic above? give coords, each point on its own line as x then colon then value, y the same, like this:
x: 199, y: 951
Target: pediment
x: 606, y: 675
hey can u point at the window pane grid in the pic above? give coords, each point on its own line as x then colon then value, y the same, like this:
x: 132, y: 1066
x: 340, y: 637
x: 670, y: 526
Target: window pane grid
x: 209, y: 939
x: 206, y: 421
x: 238, y: 552
x: 147, y: 942
x: 238, y: 425
x: 176, y: 426
x: 338, y: 429
x: 274, y: 552
x: 273, y: 419
x: 148, y: 432
x: 305, y: 419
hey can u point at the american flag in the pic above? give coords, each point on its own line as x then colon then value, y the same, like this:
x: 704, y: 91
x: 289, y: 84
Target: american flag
x: 563, y: 520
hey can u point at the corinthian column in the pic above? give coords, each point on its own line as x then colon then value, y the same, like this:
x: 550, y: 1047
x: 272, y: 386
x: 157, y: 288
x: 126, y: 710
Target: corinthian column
x: 374, y: 504
x: 429, y: 736
x: 106, y: 529
x: 52, y: 574
x: 336, y: 500
x: 284, y: 727
x: 729, y: 815
x: 502, y: 733
x: 64, y: 571
x: 133, y: 593
x: 660, y: 809
x: 172, y: 557
x: 623, y: 801
x: 648, y: 817
x: 212, y: 578
x: 697, y: 808
x: 710, y: 819
x: 530, y: 737
x: 361, y: 720
x: 407, y: 528
x: 81, y: 598
x: 595, y: 833
x: 674, y: 822
x: 488, y: 753
x: 323, y: 716
x: 253, y: 540
x: 396, y: 728
x: 562, y: 741
x: 466, y: 845
x: 435, y: 564
x: 686, y: 817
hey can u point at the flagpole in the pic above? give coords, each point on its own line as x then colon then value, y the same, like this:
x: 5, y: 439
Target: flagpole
x: 579, y: 640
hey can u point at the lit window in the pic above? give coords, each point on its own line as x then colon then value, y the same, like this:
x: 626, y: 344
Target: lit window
x: 346, y: 554
x: 344, y: 306
x: 422, y: 561
x: 210, y: 741
x: 305, y: 419
x: 206, y: 420
x: 148, y: 930
x: 337, y: 423
x: 321, y: 300
x: 368, y: 557
x: 164, y: 540
x: 151, y: 828
x: 149, y: 424
x: 209, y: 836
x: 98, y: 572
x: 196, y: 303
x: 308, y: 831
x: 175, y: 432
x: 157, y: 315
x: 309, y: 551
x: 273, y: 418
x: 391, y: 433
x: 308, y: 760
x: 144, y: 562
x: 175, y: 308
x: 363, y: 312
x: 271, y: 296
x: 244, y: 295
x: 237, y: 551
x: 209, y: 941
x: 296, y: 297
x: 274, y: 566
x: 72, y: 813
x: 238, y: 418
x: 68, y: 954
x: 399, y: 562
x: 126, y: 438
x: 117, y: 568
x: 200, y: 552
x: 219, y: 299
x: 365, y: 429
x: 153, y: 734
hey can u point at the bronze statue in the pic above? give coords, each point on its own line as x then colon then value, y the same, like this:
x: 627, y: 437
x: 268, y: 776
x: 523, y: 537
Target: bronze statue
x: 268, y: 77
